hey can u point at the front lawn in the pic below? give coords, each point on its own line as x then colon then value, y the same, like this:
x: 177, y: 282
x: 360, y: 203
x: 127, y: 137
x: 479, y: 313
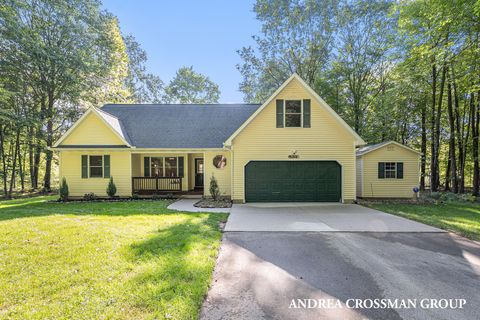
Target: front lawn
x: 460, y: 217
x: 104, y: 260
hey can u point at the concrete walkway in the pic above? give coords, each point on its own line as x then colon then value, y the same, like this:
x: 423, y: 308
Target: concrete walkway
x: 187, y: 205
x: 326, y: 217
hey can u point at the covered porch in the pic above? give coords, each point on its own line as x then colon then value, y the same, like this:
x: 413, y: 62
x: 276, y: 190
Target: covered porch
x: 168, y: 173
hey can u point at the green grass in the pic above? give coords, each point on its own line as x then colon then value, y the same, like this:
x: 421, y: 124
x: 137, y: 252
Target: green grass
x: 104, y: 260
x: 459, y: 217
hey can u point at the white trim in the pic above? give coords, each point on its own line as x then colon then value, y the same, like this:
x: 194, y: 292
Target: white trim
x: 96, y: 112
x: 387, y: 144
x: 358, y: 139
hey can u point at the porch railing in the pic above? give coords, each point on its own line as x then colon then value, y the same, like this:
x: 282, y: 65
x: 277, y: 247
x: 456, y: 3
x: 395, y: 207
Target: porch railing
x: 151, y: 185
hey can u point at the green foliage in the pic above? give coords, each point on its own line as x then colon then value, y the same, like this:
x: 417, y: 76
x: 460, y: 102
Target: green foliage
x: 111, y: 188
x: 189, y: 86
x: 214, y: 189
x: 89, y: 196
x: 63, y: 190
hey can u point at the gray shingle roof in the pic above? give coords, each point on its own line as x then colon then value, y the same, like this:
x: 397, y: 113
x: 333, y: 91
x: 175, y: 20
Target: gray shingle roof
x: 370, y: 147
x: 179, y: 125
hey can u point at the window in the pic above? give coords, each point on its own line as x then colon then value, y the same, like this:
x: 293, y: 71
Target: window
x: 171, y: 167
x: 293, y: 113
x: 157, y: 167
x: 96, y: 166
x: 164, y: 166
x: 390, y: 170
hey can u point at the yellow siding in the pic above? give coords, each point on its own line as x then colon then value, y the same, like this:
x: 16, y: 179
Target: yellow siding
x: 223, y: 176
x: 390, y: 188
x: 359, y: 181
x: 120, y: 170
x: 92, y: 131
x: 136, y: 165
x: 325, y: 140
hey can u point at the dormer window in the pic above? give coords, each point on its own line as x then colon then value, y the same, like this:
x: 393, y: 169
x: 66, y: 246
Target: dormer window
x: 293, y: 113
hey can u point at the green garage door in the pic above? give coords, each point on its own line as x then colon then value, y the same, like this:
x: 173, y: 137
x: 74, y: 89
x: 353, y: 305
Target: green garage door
x: 295, y: 181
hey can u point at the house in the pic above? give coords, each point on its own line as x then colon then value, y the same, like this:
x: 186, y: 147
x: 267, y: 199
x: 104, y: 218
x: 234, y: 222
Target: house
x: 293, y: 147
x: 387, y: 170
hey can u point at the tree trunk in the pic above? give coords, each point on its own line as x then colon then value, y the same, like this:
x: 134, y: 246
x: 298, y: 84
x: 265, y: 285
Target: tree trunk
x: 461, y: 139
x: 424, y: 146
x: 437, y: 128
x: 433, y: 169
x: 21, y: 169
x: 4, y: 162
x: 49, y: 140
x: 475, y: 114
x: 14, y: 163
x: 452, y: 159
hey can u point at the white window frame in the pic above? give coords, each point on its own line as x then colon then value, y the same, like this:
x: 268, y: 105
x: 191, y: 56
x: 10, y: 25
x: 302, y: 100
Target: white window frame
x: 90, y: 166
x: 394, y: 170
x: 285, y: 113
x: 163, y: 165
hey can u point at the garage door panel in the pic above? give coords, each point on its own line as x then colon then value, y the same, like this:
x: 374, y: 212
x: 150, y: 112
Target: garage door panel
x: 292, y: 181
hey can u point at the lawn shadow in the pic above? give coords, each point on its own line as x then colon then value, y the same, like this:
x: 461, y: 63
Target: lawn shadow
x: 173, y: 267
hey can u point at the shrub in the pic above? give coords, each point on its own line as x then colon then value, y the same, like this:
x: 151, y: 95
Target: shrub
x: 63, y: 190
x: 89, y: 196
x: 214, y: 189
x: 111, y: 188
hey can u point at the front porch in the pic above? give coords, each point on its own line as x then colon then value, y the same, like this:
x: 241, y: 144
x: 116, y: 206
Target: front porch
x: 165, y: 174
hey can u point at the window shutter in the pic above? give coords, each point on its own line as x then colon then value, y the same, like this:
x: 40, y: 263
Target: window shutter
x: 381, y: 170
x: 84, y: 167
x: 399, y: 170
x: 180, y: 166
x: 306, y: 113
x: 146, y: 166
x: 279, y: 113
x: 106, y: 166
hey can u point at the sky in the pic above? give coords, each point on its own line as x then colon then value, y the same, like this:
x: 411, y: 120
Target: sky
x: 204, y: 34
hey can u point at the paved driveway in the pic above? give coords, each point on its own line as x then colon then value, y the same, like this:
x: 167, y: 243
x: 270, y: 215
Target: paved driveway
x: 317, y: 217
x: 259, y: 273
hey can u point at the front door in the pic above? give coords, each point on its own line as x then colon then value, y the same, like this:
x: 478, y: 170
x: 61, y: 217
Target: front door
x: 199, y: 173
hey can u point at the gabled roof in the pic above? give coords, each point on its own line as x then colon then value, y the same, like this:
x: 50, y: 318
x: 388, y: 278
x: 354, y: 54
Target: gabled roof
x: 110, y: 121
x: 358, y: 139
x: 179, y: 126
x: 366, y: 149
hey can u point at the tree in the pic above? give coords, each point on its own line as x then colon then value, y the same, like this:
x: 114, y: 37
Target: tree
x: 189, y: 86
x: 59, y: 47
x: 297, y: 36
x: 143, y: 87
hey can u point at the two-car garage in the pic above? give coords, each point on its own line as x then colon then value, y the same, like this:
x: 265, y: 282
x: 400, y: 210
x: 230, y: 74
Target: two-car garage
x: 293, y: 181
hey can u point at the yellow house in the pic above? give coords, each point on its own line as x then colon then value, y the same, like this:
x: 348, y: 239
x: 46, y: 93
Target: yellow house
x: 387, y: 170
x: 293, y: 147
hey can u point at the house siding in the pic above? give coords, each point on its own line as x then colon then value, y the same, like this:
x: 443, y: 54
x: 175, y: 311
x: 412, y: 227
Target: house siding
x: 359, y: 176
x: 390, y: 188
x: 223, y: 175
x: 92, y: 131
x: 327, y: 139
x: 120, y: 170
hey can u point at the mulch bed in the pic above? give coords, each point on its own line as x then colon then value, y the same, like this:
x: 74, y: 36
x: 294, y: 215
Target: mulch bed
x: 210, y: 203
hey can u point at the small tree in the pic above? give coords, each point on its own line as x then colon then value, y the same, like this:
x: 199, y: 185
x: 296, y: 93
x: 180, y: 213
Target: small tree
x: 111, y: 188
x: 63, y: 190
x: 214, y: 189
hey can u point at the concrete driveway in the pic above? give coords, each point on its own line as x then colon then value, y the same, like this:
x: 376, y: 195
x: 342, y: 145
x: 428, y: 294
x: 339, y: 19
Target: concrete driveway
x: 259, y: 273
x: 317, y: 217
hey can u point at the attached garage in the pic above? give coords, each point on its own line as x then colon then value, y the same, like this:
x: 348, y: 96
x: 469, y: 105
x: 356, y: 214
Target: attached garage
x: 293, y: 181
